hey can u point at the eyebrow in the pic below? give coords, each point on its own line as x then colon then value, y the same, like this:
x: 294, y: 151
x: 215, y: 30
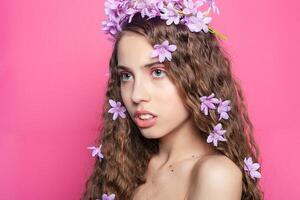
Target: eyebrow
x: 146, y: 66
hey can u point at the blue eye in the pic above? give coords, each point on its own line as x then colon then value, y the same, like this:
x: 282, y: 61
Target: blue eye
x: 122, y: 76
x: 159, y: 72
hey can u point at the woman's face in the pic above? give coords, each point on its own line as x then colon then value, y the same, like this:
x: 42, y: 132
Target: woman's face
x: 148, y: 88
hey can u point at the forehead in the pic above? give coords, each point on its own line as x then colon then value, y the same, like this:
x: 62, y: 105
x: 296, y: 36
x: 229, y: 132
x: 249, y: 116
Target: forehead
x: 134, y: 50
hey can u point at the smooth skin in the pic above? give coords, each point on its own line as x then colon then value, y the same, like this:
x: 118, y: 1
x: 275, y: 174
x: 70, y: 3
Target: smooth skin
x: 198, y: 171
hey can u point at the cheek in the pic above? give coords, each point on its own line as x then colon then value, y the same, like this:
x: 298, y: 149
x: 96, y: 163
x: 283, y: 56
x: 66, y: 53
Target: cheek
x: 174, y: 108
x: 167, y: 93
x: 126, y: 98
x: 170, y: 103
x: 172, y: 112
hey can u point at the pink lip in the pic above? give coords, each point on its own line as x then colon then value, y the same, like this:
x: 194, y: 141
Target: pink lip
x: 144, y: 123
x: 143, y: 112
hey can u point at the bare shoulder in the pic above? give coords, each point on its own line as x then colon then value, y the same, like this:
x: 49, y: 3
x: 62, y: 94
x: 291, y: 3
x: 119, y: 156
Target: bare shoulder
x: 215, y: 177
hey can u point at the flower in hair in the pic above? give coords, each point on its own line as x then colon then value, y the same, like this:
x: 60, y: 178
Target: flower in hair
x: 96, y: 151
x: 108, y: 197
x: 111, y: 26
x: 223, y: 108
x: 170, y: 14
x: 251, y: 168
x: 190, y: 7
x: 150, y: 8
x: 112, y: 6
x: 173, y: 11
x: 216, y: 135
x: 117, y: 109
x: 163, y: 51
x: 212, y: 5
x: 208, y: 102
x: 198, y: 22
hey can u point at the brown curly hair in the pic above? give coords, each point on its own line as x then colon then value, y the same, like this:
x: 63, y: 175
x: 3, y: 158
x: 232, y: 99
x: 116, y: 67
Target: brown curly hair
x: 199, y: 67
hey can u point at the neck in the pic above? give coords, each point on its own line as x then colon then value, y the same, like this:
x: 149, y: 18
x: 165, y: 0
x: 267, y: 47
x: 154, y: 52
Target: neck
x: 182, y: 143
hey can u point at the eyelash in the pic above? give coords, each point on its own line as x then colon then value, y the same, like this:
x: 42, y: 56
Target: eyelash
x: 122, y: 73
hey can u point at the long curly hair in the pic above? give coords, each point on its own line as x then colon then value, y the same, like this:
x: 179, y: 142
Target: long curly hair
x: 199, y: 67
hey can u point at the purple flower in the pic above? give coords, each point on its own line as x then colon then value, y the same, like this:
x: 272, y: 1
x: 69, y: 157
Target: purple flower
x: 212, y: 4
x: 131, y: 12
x: 190, y: 7
x: 116, y: 109
x: 198, y: 22
x: 116, y: 12
x: 112, y: 26
x: 223, y: 108
x: 251, y: 168
x: 142, y: 7
x: 208, y: 103
x: 163, y: 51
x: 150, y: 9
x: 96, y: 151
x: 170, y: 14
x: 116, y: 7
x: 111, y: 7
x: 147, y: 8
x: 110, y: 197
x: 160, y: 4
x: 216, y: 135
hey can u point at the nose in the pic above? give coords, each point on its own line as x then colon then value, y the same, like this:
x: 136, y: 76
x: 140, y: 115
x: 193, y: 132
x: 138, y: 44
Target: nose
x: 140, y: 92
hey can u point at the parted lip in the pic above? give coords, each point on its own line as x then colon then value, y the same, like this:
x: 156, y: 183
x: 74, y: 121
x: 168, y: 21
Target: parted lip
x: 139, y: 112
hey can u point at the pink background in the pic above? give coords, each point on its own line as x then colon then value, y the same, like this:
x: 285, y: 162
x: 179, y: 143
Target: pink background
x: 53, y: 60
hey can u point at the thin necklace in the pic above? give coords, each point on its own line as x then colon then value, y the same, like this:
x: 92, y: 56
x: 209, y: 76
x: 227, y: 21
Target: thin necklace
x: 171, y: 169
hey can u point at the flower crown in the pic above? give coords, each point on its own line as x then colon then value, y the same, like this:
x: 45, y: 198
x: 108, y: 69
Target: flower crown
x: 173, y: 11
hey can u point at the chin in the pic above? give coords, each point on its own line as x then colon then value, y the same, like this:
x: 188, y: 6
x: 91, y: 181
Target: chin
x: 151, y: 134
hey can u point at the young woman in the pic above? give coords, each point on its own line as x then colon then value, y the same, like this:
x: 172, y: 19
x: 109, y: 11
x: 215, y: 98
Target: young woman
x: 175, y: 125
